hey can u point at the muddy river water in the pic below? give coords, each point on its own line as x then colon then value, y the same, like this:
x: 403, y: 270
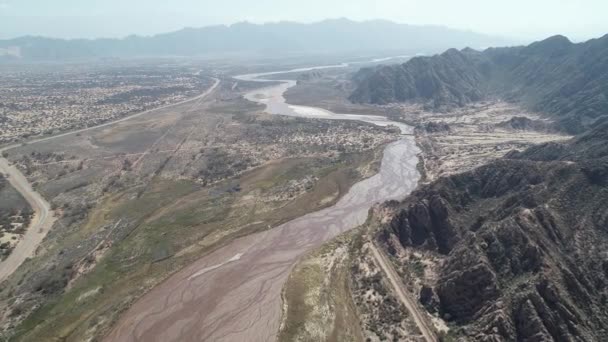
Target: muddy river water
x: 234, y: 293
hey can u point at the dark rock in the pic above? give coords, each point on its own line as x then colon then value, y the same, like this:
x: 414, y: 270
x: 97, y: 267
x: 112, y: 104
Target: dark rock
x: 434, y: 127
x: 521, y: 123
x: 553, y: 76
x: 428, y: 298
x: 463, y: 292
x: 524, y: 243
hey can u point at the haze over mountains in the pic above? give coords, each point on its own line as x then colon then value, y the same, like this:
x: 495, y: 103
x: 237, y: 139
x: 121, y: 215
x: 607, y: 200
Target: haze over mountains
x: 553, y: 76
x: 329, y: 36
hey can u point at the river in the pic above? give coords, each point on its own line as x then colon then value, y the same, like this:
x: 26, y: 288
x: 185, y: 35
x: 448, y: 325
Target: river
x: 234, y: 293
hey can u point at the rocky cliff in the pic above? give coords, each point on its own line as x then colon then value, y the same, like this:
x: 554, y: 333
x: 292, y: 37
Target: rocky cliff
x: 553, y: 76
x: 524, y: 243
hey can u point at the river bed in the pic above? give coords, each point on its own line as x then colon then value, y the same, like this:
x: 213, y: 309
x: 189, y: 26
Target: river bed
x: 234, y: 293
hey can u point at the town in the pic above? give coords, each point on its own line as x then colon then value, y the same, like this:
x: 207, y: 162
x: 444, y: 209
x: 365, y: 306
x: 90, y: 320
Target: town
x: 52, y: 99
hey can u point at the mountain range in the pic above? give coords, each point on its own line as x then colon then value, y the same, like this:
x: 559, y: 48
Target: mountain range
x: 523, y: 242
x: 553, y: 76
x: 329, y: 36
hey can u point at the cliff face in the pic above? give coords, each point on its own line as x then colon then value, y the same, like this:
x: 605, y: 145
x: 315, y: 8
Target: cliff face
x: 524, y: 242
x: 553, y: 76
x: 449, y: 78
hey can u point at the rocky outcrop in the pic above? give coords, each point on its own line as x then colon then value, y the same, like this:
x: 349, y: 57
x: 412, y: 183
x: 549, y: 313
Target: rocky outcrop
x: 446, y: 79
x: 553, y: 76
x: 523, y: 242
x: 434, y: 127
x: 425, y: 223
x: 522, y: 123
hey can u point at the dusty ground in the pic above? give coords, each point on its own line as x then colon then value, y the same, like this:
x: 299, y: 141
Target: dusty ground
x: 327, y: 89
x: 317, y: 303
x: 339, y: 293
x: 142, y: 198
x: 35, y: 228
x: 451, y: 142
x: 475, y: 135
x: 243, y: 280
x: 41, y: 100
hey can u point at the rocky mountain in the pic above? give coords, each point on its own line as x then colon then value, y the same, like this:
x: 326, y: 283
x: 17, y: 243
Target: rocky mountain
x: 553, y: 76
x: 448, y: 78
x: 523, y: 242
x: 521, y: 123
x: 329, y: 36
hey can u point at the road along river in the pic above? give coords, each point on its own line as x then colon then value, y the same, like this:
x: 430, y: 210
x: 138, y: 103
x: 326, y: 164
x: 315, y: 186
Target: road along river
x: 234, y: 293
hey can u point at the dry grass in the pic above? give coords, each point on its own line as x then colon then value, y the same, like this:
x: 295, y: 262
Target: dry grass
x: 317, y: 300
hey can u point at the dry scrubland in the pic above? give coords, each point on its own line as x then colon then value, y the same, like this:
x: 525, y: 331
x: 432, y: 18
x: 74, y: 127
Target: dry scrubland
x: 341, y: 283
x: 140, y: 199
x: 15, y: 216
x: 45, y: 100
x: 468, y: 137
x: 452, y: 141
x: 340, y: 293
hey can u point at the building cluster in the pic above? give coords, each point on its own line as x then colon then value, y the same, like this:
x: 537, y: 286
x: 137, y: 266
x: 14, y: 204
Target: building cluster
x: 43, y: 103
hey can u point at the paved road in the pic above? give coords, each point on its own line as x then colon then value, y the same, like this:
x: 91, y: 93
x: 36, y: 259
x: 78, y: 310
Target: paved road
x: 44, y: 217
x: 40, y: 225
x: 129, y: 117
x: 234, y: 293
x: 410, y: 304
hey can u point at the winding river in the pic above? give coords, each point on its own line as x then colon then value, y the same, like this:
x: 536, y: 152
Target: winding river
x: 234, y: 293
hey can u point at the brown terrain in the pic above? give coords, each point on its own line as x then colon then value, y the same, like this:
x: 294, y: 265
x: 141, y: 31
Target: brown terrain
x: 453, y: 142
x: 242, y: 281
x: 223, y: 222
x: 142, y: 197
x: 44, y: 217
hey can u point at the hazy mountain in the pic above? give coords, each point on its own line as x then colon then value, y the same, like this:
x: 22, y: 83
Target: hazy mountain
x: 330, y: 36
x: 523, y: 242
x: 553, y: 76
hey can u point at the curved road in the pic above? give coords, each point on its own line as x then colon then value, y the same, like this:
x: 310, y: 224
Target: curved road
x: 234, y: 293
x: 44, y: 217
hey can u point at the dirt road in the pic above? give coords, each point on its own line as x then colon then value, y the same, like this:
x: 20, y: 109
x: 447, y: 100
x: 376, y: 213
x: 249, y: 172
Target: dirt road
x: 44, y: 217
x: 410, y: 303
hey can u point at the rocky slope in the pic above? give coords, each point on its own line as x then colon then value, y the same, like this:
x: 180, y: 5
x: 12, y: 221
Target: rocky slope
x: 448, y: 78
x: 553, y: 76
x: 522, y: 243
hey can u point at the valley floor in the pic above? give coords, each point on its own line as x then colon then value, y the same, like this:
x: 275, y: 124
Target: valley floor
x: 142, y: 198
x: 343, y: 290
x: 141, y: 201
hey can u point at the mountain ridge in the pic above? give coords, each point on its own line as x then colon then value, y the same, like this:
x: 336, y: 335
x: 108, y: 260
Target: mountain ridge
x: 554, y: 76
x: 522, y: 242
x: 332, y: 35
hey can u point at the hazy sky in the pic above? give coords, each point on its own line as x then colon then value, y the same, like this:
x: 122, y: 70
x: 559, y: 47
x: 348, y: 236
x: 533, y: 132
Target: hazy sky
x: 530, y: 19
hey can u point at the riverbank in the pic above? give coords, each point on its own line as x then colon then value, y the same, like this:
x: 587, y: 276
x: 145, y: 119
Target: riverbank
x: 238, y: 298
